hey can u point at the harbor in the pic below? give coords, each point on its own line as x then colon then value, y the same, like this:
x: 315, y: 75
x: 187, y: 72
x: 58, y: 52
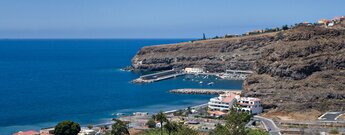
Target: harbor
x: 205, y: 91
x: 159, y: 76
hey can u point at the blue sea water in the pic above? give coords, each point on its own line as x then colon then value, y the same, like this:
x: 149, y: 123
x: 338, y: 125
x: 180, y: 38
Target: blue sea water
x: 46, y: 81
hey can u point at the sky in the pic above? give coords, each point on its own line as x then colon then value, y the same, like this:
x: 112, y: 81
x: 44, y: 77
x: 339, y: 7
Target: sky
x: 154, y: 18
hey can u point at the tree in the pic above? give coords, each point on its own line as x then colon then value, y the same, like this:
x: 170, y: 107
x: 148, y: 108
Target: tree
x: 151, y: 123
x: 234, y: 124
x: 285, y: 27
x: 119, y: 128
x: 219, y: 130
x: 184, y: 130
x: 161, y: 117
x: 181, y: 130
x: 67, y: 128
x: 89, y: 126
x: 171, y: 127
x: 236, y: 121
x: 189, y: 109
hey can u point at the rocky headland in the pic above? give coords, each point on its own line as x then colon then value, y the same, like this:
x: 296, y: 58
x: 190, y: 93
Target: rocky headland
x: 299, y: 69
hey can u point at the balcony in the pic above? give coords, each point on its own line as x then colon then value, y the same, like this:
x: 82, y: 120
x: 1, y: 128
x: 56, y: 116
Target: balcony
x: 246, y: 104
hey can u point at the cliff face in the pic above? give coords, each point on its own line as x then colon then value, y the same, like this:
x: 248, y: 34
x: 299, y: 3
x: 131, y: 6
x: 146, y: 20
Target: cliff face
x: 298, y: 69
x: 214, y: 55
x: 304, y: 70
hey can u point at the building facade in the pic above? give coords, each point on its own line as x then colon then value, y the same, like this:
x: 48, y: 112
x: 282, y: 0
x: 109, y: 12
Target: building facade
x: 222, y: 103
x: 250, y: 105
x: 194, y: 70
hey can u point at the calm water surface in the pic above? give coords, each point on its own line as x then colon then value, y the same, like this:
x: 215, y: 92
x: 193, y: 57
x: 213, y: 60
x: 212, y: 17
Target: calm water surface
x: 45, y: 81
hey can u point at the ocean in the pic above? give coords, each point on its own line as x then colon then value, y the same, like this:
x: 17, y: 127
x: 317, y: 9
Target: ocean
x: 46, y: 81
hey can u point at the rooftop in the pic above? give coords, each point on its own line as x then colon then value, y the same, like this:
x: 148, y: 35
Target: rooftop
x: 250, y: 99
x: 228, y: 98
x: 30, y: 132
x: 218, y: 113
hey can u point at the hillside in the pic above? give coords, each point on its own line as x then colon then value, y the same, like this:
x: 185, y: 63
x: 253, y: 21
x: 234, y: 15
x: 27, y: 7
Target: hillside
x: 304, y: 70
x: 298, y: 69
x: 214, y: 55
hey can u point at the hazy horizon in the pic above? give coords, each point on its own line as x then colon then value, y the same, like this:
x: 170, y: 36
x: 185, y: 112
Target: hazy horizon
x: 153, y: 19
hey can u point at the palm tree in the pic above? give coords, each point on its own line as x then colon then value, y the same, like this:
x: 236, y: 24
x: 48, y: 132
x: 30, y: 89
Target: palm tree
x: 171, y: 127
x: 119, y: 128
x: 161, y: 117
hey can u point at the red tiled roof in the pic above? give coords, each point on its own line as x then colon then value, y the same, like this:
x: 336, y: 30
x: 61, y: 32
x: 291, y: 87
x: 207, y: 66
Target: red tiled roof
x: 229, y: 98
x: 218, y: 113
x: 30, y: 132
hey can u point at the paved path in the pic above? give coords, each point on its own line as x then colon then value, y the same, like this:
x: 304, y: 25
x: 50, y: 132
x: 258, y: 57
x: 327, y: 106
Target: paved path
x: 270, y: 126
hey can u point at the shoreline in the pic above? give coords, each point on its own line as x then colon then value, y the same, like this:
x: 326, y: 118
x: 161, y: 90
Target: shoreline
x: 110, y: 122
x: 107, y: 121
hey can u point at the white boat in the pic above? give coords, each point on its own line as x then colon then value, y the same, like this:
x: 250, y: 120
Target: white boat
x: 118, y: 114
x: 211, y: 83
x: 200, y: 82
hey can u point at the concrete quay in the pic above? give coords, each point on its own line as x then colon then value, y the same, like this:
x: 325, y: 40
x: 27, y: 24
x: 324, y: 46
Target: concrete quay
x: 158, y: 76
x: 231, y: 75
x: 204, y: 91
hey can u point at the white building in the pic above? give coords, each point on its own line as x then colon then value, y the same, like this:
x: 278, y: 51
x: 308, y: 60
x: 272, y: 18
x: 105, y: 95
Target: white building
x: 235, y: 74
x: 87, y: 132
x: 249, y: 104
x: 194, y: 70
x: 223, y: 103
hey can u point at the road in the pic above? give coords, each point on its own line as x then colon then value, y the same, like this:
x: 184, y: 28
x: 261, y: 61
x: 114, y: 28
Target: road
x: 330, y: 116
x: 270, y: 126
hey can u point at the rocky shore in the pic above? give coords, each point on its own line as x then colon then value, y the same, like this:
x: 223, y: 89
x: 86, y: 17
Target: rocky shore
x: 295, y: 70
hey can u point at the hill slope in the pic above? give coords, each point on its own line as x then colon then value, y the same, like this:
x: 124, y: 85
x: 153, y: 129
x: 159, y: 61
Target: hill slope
x: 298, y: 69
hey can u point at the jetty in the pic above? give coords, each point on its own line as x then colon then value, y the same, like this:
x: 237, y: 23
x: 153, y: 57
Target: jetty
x: 158, y: 76
x: 205, y: 91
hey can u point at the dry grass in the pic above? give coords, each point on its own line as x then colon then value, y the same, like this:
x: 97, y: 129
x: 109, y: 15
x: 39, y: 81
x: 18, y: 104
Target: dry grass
x: 293, y: 116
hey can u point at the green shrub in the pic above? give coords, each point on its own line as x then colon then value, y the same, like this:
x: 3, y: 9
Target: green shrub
x: 67, y: 128
x: 151, y: 123
x: 334, y: 131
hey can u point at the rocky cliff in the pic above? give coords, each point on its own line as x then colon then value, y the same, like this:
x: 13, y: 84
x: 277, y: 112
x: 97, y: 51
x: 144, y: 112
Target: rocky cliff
x: 303, y: 70
x: 298, y: 69
x: 214, y: 55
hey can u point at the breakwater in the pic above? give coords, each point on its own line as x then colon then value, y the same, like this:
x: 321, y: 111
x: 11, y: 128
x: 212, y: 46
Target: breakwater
x: 229, y: 75
x: 204, y: 91
x: 158, y: 76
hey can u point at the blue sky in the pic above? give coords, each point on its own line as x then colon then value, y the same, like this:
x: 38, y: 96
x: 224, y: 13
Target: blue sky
x: 154, y: 18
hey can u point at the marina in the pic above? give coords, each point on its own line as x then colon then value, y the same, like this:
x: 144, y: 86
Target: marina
x: 158, y: 76
x: 228, y: 75
x: 205, y: 91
